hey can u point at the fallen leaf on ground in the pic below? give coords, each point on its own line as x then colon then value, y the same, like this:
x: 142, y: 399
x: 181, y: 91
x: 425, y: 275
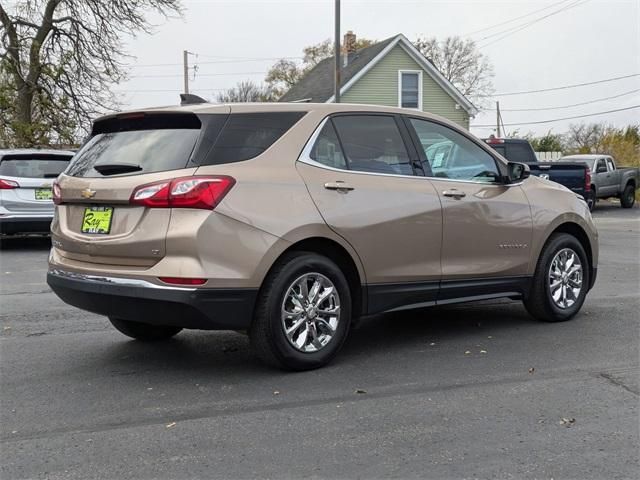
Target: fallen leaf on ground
x: 276, y: 392
x: 483, y: 351
x: 567, y: 422
x: 467, y: 352
x: 359, y: 390
x: 531, y: 370
x: 172, y: 424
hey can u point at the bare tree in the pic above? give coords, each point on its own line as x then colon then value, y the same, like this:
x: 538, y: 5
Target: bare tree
x: 586, y: 137
x: 462, y: 64
x: 59, y: 59
x: 246, y: 91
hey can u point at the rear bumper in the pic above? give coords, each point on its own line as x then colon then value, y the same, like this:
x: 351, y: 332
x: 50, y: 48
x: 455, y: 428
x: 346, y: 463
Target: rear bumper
x: 138, y: 300
x: 14, y: 224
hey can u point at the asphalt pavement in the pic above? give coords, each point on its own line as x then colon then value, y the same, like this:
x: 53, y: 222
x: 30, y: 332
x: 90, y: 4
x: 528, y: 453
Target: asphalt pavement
x: 472, y: 391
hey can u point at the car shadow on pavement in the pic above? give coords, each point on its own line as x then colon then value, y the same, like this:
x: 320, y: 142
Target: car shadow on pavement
x: 27, y: 243
x: 228, y: 355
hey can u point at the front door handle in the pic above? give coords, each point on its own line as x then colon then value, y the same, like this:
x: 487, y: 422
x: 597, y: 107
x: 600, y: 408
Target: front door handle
x: 454, y: 193
x: 338, y: 186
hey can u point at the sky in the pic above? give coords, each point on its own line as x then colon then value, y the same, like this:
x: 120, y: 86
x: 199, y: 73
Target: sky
x: 553, y: 44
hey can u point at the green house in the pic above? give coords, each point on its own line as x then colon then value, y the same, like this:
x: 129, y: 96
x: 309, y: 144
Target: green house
x: 392, y: 73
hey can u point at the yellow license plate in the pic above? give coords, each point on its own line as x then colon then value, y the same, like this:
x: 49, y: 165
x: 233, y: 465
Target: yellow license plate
x: 43, y: 194
x: 97, y: 220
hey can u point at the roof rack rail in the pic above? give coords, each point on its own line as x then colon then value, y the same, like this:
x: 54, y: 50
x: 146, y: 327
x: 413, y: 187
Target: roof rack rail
x: 190, y: 99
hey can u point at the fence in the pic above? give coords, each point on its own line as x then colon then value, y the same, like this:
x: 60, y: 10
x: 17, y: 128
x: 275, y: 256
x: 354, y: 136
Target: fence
x: 548, y: 156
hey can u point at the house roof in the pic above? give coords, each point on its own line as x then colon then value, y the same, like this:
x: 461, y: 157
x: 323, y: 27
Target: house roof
x: 318, y: 84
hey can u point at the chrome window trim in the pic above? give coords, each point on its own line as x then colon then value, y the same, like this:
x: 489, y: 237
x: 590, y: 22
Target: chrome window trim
x: 306, y: 158
x: 120, y: 281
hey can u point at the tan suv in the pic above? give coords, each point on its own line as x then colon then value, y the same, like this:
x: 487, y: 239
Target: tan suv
x: 291, y: 220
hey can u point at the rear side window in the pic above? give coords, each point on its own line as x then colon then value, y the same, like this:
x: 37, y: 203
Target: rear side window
x: 327, y: 148
x: 372, y: 143
x: 520, y: 152
x: 247, y: 135
x: 29, y: 167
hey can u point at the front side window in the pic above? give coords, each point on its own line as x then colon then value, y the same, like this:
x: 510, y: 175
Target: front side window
x: 372, y: 143
x: 410, y: 89
x: 452, y: 155
x: 601, y: 166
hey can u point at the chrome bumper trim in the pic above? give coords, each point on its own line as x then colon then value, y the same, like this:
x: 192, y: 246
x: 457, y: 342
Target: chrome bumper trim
x: 119, y: 281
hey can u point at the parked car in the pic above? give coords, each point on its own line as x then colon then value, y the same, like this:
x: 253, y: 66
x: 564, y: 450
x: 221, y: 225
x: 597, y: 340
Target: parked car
x: 26, y: 176
x: 607, y: 180
x: 574, y: 176
x: 291, y: 220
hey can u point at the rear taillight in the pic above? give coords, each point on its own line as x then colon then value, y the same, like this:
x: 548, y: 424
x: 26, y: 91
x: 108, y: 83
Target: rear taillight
x: 56, y: 193
x: 183, y: 281
x: 8, y: 184
x: 587, y: 181
x: 185, y: 192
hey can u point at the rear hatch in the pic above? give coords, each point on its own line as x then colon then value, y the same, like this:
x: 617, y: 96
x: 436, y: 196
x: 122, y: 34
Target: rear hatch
x: 571, y: 175
x: 95, y: 220
x: 26, y: 181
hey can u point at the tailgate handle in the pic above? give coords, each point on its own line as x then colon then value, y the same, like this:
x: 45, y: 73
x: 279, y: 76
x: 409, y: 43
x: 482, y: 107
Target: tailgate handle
x: 457, y: 194
x: 338, y: 186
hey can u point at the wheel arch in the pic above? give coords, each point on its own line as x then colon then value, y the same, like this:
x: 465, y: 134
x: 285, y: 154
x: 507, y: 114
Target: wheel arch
x: 581, y: 235
x: 342, y: 258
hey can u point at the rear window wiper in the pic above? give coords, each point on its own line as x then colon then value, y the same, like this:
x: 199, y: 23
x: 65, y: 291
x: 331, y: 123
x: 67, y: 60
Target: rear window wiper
x: 116, y: 168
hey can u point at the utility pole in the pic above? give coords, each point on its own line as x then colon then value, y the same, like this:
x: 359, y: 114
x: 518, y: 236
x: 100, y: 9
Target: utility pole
x: 185, y: 61
x: 498, y: 119
x: 336, y: 94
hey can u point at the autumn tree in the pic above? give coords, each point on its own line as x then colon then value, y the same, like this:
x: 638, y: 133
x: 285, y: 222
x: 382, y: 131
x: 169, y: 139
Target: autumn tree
x: 58, y: 61
x: 551, y: 142
x: 285, y: 73
x: 462, y: 64
x: 585, y: 137
x: 246, y: 91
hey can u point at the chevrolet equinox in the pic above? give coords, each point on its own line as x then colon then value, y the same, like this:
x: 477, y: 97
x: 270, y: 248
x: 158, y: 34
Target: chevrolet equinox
x: 289, y: 221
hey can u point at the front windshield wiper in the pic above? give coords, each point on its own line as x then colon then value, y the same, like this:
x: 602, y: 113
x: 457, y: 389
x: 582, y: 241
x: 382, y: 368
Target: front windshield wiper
x: 116, y: 168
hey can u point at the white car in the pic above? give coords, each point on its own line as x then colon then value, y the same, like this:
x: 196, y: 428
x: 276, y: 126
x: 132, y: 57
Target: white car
x: 26, y: 178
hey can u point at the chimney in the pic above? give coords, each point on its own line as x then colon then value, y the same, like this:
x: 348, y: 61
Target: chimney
x: 348, y: 46
x: 349, y: 42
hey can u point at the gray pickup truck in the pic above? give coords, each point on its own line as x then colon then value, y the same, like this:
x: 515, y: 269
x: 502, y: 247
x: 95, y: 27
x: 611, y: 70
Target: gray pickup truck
x: 607, y: 180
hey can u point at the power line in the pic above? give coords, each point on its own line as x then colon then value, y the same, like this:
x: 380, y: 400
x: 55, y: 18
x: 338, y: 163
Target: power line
x: 257, y: 59
x: 564, y: 87
x: 518, y: 28
x: 569, y: 106
x: 171, y: 75
x: 561, y: 119
x: 491, y: 27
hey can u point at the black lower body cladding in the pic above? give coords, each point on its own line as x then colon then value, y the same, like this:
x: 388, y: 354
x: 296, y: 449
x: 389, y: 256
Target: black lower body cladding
x: 198, y: 308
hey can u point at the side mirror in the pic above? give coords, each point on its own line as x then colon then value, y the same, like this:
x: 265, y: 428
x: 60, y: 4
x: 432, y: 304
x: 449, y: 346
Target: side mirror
x: 601, y: 169
x: 518, y: 172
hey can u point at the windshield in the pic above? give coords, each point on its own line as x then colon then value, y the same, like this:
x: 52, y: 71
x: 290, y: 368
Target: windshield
x: 26, y: 167
x: 151, y: 150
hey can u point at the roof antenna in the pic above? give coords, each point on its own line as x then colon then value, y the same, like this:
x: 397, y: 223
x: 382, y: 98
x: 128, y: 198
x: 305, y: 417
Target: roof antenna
x: 190, y: 99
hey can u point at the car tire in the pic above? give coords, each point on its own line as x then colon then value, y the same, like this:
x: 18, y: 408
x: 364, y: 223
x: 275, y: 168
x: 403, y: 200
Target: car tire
x: 144, y: 331
x: 282, y: 304
x: 545, y: 299
x: 592, y: 199
x: 628, y: 197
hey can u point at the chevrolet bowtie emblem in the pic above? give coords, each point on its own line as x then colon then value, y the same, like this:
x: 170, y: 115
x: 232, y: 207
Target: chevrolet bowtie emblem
x: 88, y: 193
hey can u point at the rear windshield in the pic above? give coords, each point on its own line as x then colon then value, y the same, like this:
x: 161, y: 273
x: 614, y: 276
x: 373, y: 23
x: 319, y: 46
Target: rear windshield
x: 27, y: 167
x: 145, y: 151
x: 146, y: 144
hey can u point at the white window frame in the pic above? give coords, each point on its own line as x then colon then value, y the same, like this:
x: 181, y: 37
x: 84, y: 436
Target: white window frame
x: 419, y: 73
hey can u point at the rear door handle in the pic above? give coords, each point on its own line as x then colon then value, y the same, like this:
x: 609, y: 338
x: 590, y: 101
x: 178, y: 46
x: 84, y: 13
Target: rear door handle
x: 454, y: 193
x: 338, y: 186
